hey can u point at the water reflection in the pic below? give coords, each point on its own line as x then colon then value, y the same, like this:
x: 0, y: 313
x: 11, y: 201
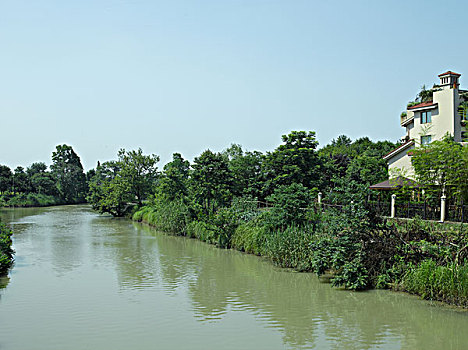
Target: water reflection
x: 135, y: 255
x: 126, y: 279
x: 305, y: 311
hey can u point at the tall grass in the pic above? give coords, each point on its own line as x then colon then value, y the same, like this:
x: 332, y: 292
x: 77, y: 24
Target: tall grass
x: 292, y: 247
x: 434, y: 282
x: 168, y: 216
x: 250, y: 237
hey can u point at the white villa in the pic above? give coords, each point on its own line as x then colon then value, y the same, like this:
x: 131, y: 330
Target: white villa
x: 430, y: 119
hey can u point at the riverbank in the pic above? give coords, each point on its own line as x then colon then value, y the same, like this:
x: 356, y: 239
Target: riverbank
x: 24, y: 200
x: 140, y: 283
x: 357, y: 249
x: 6, y: 252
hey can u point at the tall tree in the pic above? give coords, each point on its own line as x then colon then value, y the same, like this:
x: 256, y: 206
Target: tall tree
x: 6, y: 177
x: 41, y: 180
x: 246, y: 170
x: 68, y: 173
x: 295, y: 161
x: 211, y: 181
x: 21, y: 181
x: 108, y: 191
x: 139, y: 172
x: 174, y: 181
x: 117, y: 184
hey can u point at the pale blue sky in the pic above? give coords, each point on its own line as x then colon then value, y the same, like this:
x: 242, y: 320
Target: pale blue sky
x: 184, y: 76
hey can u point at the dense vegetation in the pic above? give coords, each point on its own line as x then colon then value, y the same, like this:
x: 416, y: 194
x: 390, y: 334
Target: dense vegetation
x: 6, y: 252
x: 266, y: 204
x: 65, y: 183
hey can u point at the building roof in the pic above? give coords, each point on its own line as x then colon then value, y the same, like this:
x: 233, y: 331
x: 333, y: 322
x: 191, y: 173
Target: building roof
x: 397, y: 150
x: 393, y: 184
x: 449, y: 73
x: 423, y: 105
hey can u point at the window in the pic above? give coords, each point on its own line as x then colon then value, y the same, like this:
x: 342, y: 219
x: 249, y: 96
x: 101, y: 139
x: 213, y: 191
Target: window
x: 426, y: 117
x: 425, y: 140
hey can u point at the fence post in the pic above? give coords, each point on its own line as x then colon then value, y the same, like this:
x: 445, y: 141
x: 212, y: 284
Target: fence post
x: 442, y: 208
x: 392, y: 207
x: 319, y: 198
x: 462, y: 212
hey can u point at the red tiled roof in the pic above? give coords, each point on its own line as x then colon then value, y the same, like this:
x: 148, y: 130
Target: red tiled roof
x: 449, y: 72
x: 423, y: 104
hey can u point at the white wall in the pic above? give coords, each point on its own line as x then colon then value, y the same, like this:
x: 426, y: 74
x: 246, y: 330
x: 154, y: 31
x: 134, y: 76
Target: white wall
x: 400, y: 164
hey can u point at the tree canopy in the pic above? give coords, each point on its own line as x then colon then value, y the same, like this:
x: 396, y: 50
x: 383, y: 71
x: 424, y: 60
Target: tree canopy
x: 68, y: 172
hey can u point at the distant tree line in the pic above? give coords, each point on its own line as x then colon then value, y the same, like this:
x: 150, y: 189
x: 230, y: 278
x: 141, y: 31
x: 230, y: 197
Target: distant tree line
x: 64, y: 183
x: 214, y: 179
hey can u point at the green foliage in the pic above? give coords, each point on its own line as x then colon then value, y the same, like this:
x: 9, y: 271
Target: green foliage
x: 138, y: 172
x: 352, y: 274
x: 445, y: 283
x: 203, y: 231
x: 117, y: 184
x: 245, y: 208
x: 250, y: 237
x: 295, y: 161
x: 41, y: 181
x: 6, y: 177
x: 290, y: 205
x: 246, y: 171
x: 6, y: 252
x: 171, y: 216
x: 68, y: 173
x: 360, y: 161
x: 291, y: 247
x: 30, y: 200
x: 442, y: 166
x: 20, y: 181
x: 368, y: 169
x: 211, y: 182
x: 174, y: 181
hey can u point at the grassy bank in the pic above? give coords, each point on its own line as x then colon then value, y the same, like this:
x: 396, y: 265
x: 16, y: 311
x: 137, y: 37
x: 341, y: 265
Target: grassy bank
x: 447, y: 283
x: 355, y: 248
x: 29, y: 200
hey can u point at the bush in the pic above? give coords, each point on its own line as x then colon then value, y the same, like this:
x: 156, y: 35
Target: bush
x: 290, y: 205
x: 6, y: 252
x: 202, y: 231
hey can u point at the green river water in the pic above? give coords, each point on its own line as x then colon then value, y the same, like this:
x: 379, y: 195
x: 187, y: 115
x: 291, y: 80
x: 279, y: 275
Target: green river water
x: 85, y: 281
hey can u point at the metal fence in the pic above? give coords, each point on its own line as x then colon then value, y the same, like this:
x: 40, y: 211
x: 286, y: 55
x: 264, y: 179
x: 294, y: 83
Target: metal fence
x: 409, y: 210
x: 424, y: 210
x: 457, y: 213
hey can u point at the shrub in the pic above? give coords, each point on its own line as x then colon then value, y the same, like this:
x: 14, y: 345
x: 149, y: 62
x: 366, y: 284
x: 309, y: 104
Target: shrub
x: 6, y: 252
x: 290, y: 205
x: 202, y: 231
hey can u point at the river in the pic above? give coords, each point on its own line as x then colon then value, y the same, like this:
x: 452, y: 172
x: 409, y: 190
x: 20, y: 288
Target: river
x: 87, y: 281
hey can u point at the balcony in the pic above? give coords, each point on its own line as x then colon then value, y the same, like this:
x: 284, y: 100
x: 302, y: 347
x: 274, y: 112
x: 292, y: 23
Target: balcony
x: 404, y: 119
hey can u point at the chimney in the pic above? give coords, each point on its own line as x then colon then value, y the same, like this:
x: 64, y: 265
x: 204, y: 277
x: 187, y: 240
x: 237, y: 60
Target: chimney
x: 449, y: 79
